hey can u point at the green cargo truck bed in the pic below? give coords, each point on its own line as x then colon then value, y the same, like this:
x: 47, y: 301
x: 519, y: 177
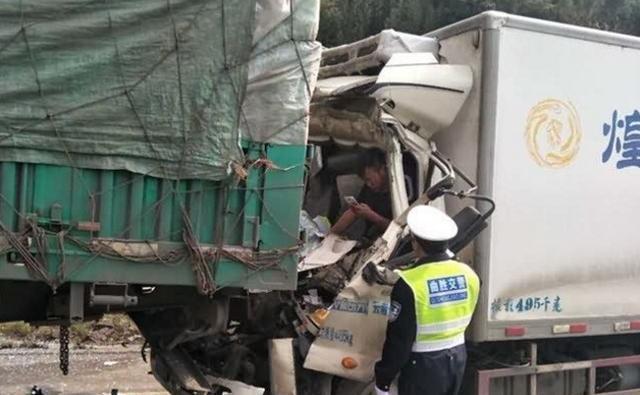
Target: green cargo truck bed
x: 115, y: 226
x: 130, y: 153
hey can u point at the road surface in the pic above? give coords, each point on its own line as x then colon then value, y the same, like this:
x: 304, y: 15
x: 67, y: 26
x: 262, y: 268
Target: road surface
x: 91, y: 371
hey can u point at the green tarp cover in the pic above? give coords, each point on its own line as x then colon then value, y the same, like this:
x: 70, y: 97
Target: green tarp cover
x: 282, y: 72
x: 151, y: 86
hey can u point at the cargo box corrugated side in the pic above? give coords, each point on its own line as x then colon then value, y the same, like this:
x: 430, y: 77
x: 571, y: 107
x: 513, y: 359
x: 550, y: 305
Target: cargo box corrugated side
x: 552, y: 127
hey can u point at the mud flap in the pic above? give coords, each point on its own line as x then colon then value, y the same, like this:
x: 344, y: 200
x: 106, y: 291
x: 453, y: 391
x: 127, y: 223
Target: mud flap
x: 282, y: 364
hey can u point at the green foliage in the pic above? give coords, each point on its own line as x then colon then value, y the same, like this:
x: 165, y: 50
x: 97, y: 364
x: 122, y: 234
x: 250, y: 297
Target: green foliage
x: 16, y: 329
x: 110, y: 329
x: 344, y: 21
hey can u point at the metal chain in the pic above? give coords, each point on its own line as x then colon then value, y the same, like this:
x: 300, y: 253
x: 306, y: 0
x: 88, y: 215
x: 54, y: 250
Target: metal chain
x: 64, y: 349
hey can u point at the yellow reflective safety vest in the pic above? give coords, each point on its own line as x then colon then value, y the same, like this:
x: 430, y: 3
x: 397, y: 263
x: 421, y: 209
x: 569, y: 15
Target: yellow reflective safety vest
x: 445, y: 295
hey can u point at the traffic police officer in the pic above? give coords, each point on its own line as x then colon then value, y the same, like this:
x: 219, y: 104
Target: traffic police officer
x: 431, y: 306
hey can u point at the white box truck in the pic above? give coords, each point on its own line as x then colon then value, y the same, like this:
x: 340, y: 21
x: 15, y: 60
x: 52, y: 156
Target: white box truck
x: 551, y: 131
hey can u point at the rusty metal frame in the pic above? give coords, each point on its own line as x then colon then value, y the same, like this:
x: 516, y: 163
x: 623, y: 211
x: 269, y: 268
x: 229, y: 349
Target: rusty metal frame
x: 533, y: 370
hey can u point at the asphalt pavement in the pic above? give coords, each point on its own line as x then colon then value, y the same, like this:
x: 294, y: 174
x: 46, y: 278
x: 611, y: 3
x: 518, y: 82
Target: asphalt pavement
x: 97, y: 370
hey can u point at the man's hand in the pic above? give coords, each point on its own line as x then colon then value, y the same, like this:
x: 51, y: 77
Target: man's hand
x: 381, y: 392
x: 363, y: 210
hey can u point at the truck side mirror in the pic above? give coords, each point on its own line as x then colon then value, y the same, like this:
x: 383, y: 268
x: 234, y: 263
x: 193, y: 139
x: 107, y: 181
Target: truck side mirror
x: 470, y: 223
x: 439, y: 188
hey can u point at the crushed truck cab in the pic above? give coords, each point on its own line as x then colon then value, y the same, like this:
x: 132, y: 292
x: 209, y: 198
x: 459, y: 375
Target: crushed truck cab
x: 412, y: 98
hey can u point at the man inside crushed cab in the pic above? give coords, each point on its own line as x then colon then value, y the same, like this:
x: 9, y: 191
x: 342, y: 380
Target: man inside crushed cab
x: 431, y: 306
x: 373, y: 203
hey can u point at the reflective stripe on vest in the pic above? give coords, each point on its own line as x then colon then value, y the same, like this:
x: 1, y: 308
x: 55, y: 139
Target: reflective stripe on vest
x: 445, y: 295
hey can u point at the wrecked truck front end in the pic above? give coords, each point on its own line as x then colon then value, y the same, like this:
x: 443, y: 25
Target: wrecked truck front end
x: 325, y: 337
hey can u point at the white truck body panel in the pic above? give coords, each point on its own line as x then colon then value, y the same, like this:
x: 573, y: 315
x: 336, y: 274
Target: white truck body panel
x: 562, y: 246
x: 423, y: 96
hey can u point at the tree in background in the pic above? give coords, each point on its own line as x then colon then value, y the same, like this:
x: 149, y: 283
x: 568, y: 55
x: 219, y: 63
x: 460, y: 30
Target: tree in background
x: 343, y: 21
x: 364, y: 17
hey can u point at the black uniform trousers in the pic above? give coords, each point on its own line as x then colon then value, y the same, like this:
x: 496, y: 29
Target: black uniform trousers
x: 433, y: 373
